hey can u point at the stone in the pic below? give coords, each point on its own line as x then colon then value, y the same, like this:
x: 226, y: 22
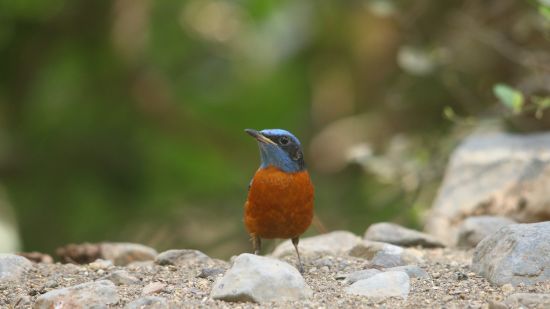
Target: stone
x: 474, y: 229
x: 148, y: 302
x: 496, y: 174
x: 23, y: 301
x: 122, y: 277
x: 37, y: 257
x: 395, y: 234
x: 333, y: 243
x: 517, y: 253
x: 360, y: 275
x: 79, y: 253
x: 153, y: 287
x: 382, y: 286
x: 260, y: 279
x: 13, y: 267
x: 383, y: 254
x: 210, y: 272
x: 100, y: 264
x: 125, y: 253
x: 413, y: 271
x: 528, y: 300
x: 97, y: 294
x: 181, y: 257
x: 120, y: 254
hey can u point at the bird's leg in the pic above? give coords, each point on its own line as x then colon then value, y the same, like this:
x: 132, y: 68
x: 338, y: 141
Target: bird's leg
x: 256, y: 244
x: 295, y: 242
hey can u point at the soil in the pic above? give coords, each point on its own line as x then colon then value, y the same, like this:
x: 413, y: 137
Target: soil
x: 451, y: 284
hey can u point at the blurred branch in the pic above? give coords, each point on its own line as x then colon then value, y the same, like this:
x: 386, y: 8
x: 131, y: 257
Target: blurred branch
x: 531, y: 59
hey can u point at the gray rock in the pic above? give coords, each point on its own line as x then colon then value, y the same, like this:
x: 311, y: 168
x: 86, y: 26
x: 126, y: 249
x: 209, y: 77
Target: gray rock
x: 529, y: 300
x: 383, y: 254
x: 122, y: 277
x: 23, y: 301
x: 210, y: 272
x: 332, y: 243
x: 413, y: 271
x: 395, y: 234
x: 148, y: 302
x: 181, y: 257
x: 98, y: 294
x: 493, y: 174
x: 13, y: 267
x: 126, y: 253
x: 517, y: 253
x: 382, y: 286
x: 360, y: 275
x: 260, y: 279
x: 474, y: 229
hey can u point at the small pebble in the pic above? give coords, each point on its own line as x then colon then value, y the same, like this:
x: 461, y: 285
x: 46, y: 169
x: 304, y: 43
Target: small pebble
x: 51, y: 284
x: 100, y: 264
x: 507, y: 288
x: 461, y: 276
x: 153, y: 287
x: 210, y: 272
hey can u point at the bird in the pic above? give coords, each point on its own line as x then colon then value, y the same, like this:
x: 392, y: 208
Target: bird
x: 280, y: 195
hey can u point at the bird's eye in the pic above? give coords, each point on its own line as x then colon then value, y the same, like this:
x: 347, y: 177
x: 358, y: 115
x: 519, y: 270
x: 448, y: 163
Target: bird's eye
x: 283, y: 140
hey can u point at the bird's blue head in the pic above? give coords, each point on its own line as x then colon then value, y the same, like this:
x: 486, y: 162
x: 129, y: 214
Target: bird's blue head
x: 279, y: 148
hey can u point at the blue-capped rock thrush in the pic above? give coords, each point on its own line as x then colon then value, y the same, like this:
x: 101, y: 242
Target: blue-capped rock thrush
x: 280, y: 196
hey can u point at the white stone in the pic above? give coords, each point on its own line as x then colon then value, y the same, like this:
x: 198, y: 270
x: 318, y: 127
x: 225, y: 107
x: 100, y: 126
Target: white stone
x: 361, y: 275
x: 260, y: 279
x: 333, y: 243
x: 382, y: 286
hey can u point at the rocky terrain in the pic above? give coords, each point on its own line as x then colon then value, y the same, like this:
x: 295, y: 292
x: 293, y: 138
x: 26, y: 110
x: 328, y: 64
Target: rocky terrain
x: 342, y: 270
x: 488, y: 247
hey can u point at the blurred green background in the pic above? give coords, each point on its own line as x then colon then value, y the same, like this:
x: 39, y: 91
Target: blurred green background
x: 123, y: 120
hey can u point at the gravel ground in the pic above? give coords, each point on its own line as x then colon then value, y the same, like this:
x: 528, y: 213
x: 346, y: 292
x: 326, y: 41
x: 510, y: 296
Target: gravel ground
x: 452, y: 284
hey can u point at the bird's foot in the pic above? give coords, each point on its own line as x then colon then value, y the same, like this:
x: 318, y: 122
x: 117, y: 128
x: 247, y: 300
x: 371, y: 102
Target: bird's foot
x: 300, y: 268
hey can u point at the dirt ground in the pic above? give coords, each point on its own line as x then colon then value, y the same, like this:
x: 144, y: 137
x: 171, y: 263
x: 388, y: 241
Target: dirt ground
x: 451, y: 284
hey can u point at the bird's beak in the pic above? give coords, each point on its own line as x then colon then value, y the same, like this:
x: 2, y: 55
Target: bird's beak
x: 259, y: 137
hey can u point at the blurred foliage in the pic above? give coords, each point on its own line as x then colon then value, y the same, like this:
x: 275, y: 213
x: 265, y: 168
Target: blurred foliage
x: 122, y: 120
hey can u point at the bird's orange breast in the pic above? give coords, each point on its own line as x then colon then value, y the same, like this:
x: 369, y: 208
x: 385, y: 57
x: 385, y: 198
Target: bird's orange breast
x: 279, y: 204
